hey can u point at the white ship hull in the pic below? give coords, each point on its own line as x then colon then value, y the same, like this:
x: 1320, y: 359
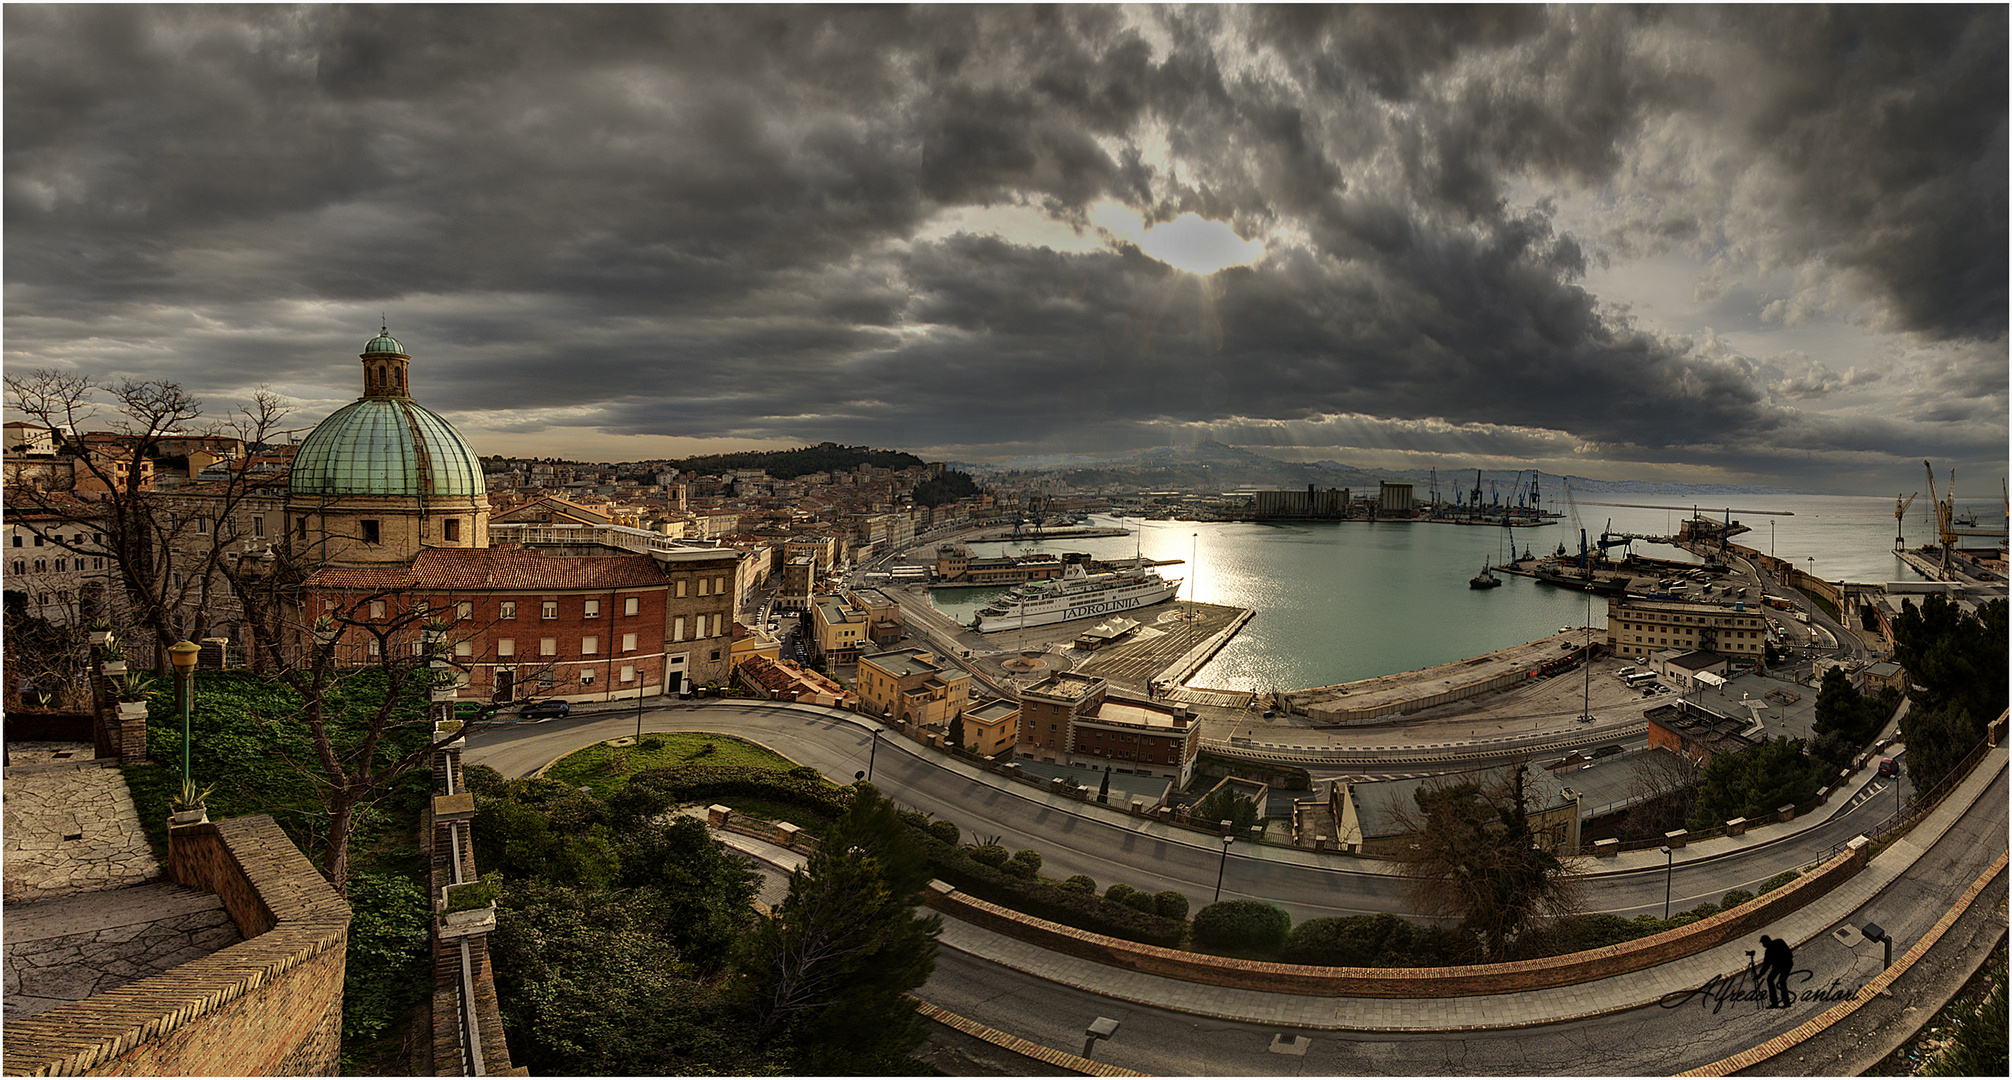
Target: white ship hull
x: 1064, y: 604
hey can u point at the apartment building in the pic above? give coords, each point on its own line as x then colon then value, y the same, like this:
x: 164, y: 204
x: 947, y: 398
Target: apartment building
x: 1075, y: 720
x: 1639, y: 627
x: 909, y: 687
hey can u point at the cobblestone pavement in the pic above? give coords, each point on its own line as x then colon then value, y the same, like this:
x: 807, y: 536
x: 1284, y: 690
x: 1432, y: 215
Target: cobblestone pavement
x: 66, y: 949
x: 70, y: 826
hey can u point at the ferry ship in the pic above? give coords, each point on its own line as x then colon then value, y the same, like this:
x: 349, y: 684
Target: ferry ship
x: 1078, y: 595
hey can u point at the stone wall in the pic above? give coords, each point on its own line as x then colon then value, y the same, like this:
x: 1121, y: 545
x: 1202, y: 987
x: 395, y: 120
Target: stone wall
x: 268, y: 1006
x: 1554, y: 971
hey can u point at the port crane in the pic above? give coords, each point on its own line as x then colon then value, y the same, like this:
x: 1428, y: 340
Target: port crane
x: 1900, y: 505
x: 1945, y: 509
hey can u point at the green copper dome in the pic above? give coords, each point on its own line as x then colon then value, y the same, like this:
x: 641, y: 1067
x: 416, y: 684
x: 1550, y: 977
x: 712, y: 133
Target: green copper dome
x: 383, y: 343
x: 386, y: 446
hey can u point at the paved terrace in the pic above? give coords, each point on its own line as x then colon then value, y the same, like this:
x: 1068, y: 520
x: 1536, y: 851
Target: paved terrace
x: 86, y: 910
x: 1372, y: 700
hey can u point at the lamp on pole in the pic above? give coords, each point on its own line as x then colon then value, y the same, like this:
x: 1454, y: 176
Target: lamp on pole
x: 639, y: 706
x: 183, y: 655
x: 1669, y: 872
x: 1228, y: 839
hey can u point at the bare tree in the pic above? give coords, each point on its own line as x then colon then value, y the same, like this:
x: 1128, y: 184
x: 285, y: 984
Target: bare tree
x: 1664, y: 788
x: 168, y: 562
x: 1475, y: 855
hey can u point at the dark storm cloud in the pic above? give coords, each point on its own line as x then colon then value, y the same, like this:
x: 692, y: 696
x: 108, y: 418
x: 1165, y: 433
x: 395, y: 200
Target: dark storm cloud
x: 723, y: 221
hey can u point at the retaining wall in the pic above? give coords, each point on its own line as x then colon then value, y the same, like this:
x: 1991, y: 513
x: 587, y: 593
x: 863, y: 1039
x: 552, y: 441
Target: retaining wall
x: 1554, y: 971
x: 268, y: 1006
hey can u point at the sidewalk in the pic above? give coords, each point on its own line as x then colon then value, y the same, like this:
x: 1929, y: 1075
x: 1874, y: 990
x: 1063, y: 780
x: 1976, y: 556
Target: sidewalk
x: 1810, y: 925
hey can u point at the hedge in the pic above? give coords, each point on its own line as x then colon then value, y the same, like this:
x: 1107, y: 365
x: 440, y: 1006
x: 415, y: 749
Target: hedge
x: 1242, y: 924
x: 1045, y: 899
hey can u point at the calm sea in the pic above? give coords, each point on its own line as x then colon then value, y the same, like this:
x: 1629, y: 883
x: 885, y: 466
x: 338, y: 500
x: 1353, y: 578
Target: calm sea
x: 1338, y: 601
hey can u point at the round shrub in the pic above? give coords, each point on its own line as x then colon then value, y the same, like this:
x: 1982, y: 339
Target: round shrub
x: 1734, y: 899
x: 1118, y: 891
x: 1778, y: 881
x: 1170, y: 905
x: 914, y: 819
x: 945, y: 831
x: 1242, y: 924
x: 1142, y: 902
x: 1019, y: 869
x: 1029, y: 856
x: 1082, y: 883
x: 991, y: 855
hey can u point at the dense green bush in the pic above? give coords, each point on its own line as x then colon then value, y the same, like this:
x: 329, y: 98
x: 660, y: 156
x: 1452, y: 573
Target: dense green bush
x: 1703, y: 911
x: 991, y: 855
x: 1019, y: 869
x: 1577, y: 933
x: 1246, y: 925
x: 1778, y: 881
x: 1044, y: 899
x: 1029, y: 856
x: 1734, y: 898
x: 1169, y: 904
x: 1355, y: 941
x: 1082, y: 883
x: 1117, y: 892
x: 1142, y: 901
x: 945, y: 831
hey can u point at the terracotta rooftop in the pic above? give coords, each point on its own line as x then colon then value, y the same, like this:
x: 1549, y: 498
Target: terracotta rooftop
x: 497, y: 568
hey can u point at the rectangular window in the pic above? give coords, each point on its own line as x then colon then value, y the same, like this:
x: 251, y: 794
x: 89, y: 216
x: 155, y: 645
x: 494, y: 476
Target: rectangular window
x: 716, y: 654
x: 593, y: 609
x: 548, y: 646
x: 719, y: 585
x: 628, y: 672
x: 377, y: 609
x: 507, y: 609
x: 545, y: 679
x: 258, y: 525
x: 631, y: 606
x: 506, y: 646
x: 628, y: 643
x: 548, y: 609
x: 702, y: 586
x: 681, y: 581
x: 464, y: 648
x: 678, y: 660
x: 678, y: 628
x: 464, y: 609
x: 587, y: 677
x: 590, y: 646
x: 373, y: 647
x: 450, y: 529
x: 370, y: 531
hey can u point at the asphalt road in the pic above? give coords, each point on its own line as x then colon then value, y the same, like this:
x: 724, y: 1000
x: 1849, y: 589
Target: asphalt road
x: 1111, y: 846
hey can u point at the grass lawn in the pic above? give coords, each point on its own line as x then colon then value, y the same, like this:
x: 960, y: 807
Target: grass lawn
x: 607, y: 768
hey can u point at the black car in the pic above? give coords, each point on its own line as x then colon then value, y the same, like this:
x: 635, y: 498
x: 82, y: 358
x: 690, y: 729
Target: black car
x: 543, y: 710
x: 1607, y: 751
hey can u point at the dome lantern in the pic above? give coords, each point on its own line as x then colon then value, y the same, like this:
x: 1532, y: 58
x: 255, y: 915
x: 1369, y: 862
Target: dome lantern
x: 384, y: 361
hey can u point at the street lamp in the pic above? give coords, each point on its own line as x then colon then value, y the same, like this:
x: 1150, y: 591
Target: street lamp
x: 183, y: 655
x: 1669, y: 872
x: 1228, y: 839
x: 867, y: 775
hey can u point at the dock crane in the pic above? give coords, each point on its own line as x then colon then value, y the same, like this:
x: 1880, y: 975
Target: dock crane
x: 1945, y: 512
x: 1900, y: 505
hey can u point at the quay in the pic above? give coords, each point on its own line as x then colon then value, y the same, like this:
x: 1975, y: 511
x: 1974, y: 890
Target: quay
x: 1065, y: 532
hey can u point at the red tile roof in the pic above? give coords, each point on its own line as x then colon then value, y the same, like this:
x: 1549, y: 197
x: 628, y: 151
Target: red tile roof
x: 505, y: 568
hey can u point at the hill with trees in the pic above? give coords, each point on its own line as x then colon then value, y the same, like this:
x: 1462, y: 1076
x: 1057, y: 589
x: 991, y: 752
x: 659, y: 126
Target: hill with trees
x: 789, y: 464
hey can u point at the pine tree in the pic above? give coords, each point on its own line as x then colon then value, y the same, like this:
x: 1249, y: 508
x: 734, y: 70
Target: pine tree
x: 825, y: 978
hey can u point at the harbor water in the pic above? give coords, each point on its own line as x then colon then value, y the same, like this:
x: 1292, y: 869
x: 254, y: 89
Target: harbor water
x: 1340, y: 601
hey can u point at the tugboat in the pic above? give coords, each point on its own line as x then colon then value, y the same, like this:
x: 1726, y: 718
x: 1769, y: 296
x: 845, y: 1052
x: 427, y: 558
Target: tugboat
x: 1486, y: 579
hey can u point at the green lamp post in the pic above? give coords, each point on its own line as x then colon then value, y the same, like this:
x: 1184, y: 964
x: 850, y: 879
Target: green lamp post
x: 183, y: 654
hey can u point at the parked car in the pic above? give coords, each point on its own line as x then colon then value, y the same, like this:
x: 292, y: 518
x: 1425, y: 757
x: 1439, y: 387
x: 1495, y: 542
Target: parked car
x: 474, y: 710
x: 1889, y: 767
x: 1607, y: 751
x: 543, y: 710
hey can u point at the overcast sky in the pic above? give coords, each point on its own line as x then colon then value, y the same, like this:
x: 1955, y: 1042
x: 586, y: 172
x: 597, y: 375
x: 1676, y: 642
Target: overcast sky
x: 1759, y: 245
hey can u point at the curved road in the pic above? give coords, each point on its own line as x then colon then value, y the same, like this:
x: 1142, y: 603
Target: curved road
x: 1110, y: 845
